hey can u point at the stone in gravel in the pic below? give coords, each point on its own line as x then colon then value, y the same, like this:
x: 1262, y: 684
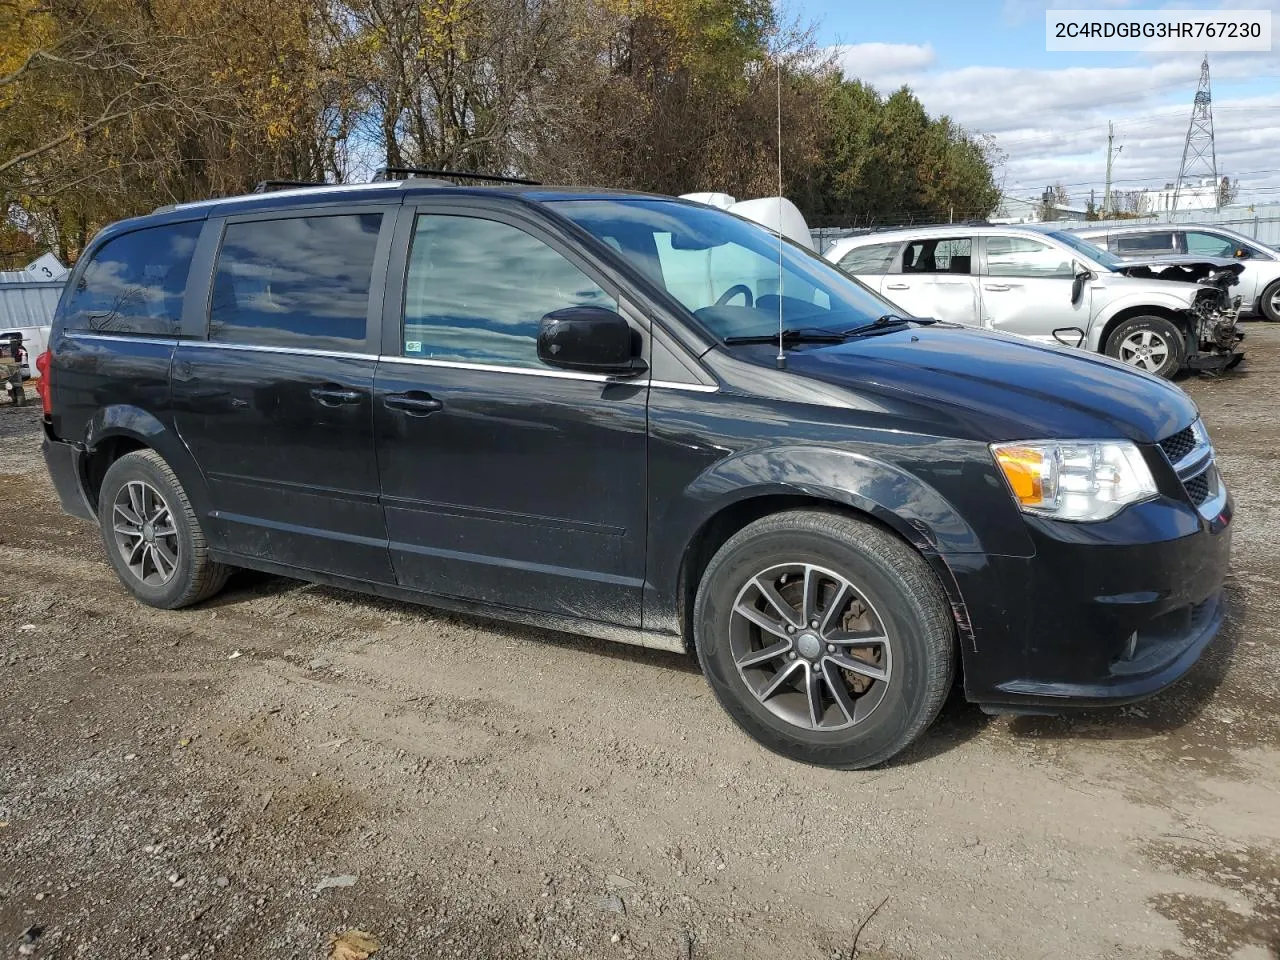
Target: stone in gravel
x: 343, y: 880
x: 222, y: 882
x: 617, y: 883
x: 612, y: 904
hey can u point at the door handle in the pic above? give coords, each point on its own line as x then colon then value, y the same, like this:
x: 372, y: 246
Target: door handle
x: 996, y: 286
x: 415, y: 403
x: 335, y: 396
x: 897, y: 286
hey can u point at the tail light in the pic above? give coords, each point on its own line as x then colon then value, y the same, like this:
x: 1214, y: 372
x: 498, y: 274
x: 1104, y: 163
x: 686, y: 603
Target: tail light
x: 43, y: 386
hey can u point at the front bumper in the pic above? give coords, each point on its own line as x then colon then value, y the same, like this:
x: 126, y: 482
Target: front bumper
x: 1102, y: 614
x: 63, y: 461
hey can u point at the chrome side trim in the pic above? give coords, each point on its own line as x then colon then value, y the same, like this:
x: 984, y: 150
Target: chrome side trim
x: 291, y: 351
x: 694, y: 387
x: 496, y: 368
x: 120, y: 337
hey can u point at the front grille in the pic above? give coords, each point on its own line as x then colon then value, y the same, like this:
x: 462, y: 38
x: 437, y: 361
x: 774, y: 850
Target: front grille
x: 1198, y: 488
x: 1179, y: 445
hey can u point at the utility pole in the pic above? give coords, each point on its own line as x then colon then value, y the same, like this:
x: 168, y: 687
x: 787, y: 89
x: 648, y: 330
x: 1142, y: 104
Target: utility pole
x: 1111, y: 155
x: 1199, y: 154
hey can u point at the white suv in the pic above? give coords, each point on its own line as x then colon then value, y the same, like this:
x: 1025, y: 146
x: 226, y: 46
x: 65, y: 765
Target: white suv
x: 1052, y: 286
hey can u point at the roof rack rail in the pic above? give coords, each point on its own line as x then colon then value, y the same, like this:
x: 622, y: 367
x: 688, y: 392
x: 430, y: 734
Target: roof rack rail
x: 266, y: 186
x: 393, y: 173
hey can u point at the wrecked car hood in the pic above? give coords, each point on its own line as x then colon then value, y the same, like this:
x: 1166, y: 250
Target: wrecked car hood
x: 1184, y: 268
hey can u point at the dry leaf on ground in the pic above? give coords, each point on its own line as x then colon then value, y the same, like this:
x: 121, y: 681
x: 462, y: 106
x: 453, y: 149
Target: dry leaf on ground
x: 353, y: 945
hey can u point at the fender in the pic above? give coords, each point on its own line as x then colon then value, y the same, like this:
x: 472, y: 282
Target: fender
x: 902, y: 502
x: 126, y: 420
x: 1143, y: 298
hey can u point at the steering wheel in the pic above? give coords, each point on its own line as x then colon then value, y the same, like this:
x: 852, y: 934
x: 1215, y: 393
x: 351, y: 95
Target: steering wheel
x: 737, y: 288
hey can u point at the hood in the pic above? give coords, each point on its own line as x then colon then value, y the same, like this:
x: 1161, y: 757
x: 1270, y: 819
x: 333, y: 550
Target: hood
x: 953, y: 381
x: 1184, y: 268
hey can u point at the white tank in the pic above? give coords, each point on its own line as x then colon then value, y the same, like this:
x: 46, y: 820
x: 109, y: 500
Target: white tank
x: 779, y: 215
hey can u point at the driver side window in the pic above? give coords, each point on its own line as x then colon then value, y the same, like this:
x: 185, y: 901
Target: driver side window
x: 476, y: 291
x: 1211, y: 244
x: 1024, y: 257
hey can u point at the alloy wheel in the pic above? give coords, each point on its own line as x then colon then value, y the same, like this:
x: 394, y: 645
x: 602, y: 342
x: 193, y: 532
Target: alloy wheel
x: 1144, y: 349
x: 145, y: 533
x: 810, y: 646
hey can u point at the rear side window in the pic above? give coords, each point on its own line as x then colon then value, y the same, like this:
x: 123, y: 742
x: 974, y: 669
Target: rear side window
x: 943, y: 255
x: 295, y: 282
x: 134, y: 283
x: 874, y: 258
x: 1162, y: 241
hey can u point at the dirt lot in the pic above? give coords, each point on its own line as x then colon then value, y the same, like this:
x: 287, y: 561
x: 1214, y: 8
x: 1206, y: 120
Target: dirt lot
x: 180, y: 785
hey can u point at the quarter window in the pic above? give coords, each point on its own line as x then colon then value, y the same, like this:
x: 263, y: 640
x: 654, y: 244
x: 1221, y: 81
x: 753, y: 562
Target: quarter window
x: 1024, y: 257
x: 874, y: 259
x: 476, y: 291
x: 135, y: 283
x: 944, y: 255
x: 295, y: 282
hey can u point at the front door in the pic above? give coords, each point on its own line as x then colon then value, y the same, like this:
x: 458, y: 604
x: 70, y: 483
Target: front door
x: 1026, y: 290
x: 504, y: 480
x: 277, y: 405
x: 935, y: 278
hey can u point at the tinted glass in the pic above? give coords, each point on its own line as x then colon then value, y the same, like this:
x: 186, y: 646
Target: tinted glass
x: 724, y: 269
x: 944, y: 255
x: 300, y: 282
x: 1023, y: 257
x: 1211, y: 244
x: 1129, y: 244
x: 873, y: 259
x: 476, y: 291
x: 135, y: 283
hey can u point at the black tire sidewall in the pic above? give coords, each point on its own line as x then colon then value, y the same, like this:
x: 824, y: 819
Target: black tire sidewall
x: 1264, y: 302
x: 1166, y: 329
x: 883, y: 733
x: 136, y: 467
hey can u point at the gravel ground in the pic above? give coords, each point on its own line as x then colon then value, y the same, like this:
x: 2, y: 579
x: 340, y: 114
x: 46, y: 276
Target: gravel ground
x: 249, y: 777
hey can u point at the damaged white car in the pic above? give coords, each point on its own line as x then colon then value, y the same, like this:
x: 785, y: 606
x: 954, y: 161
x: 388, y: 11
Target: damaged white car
x: 1160, y: 315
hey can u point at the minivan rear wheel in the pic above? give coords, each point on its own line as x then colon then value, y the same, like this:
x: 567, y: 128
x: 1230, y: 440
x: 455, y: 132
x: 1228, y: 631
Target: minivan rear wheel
x: 1151, y: 344
x: 152, y: 536
x: 826, y: 638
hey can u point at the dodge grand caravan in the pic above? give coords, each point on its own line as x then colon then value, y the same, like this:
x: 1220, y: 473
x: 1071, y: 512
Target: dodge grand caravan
x: 575, y: 408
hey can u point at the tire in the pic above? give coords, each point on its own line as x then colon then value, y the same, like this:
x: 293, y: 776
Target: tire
x: 1128, y: 340
x: 174, y: 544
x: 1269, y: 303
x: 892, y: 593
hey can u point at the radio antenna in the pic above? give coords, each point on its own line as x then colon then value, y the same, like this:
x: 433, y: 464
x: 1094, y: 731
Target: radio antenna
x: 782, y: 357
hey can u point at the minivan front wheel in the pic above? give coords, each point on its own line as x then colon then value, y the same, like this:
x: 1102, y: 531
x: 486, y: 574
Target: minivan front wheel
x: 152, y: 536
x: 1152, y: 344
x: 826, y: 638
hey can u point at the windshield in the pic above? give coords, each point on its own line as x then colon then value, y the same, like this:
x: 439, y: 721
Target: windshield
x: 1097, y: 254
x: 725, y: 270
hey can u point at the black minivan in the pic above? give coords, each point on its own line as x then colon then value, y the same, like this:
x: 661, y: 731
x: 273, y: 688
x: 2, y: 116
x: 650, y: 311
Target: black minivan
x: 640, y: 419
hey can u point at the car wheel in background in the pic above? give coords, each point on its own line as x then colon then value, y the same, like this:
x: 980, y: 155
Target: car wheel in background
x: 826, y: 638
x: 152, y: 536
x: 1152, y: 344
x: 1269, y: 303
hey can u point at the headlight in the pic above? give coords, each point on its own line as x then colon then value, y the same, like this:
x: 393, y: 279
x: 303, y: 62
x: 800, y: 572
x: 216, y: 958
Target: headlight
x: 1075, y: 479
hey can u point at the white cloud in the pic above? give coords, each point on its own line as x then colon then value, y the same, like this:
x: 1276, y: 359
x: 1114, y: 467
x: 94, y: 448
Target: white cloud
x: 882, y: 63
x: 1052, y: 123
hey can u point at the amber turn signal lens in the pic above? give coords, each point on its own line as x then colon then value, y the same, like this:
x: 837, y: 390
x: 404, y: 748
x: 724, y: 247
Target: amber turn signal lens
x: 1023, y: 467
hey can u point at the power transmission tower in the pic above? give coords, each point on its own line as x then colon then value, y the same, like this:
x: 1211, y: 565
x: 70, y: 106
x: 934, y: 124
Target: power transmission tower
x: 1199, y: 155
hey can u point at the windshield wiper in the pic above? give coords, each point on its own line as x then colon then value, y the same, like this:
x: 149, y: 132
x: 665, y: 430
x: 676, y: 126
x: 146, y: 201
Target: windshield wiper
x: 791, y: 335
x: 883, y: 323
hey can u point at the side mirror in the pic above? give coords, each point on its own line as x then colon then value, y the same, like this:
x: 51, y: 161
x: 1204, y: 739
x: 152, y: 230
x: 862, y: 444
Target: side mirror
x: 1082, y: 273
x: 1241, y: 253
x: 590, y: 339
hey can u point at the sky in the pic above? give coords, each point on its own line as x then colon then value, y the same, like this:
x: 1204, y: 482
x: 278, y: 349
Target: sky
x: 984, y: 63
